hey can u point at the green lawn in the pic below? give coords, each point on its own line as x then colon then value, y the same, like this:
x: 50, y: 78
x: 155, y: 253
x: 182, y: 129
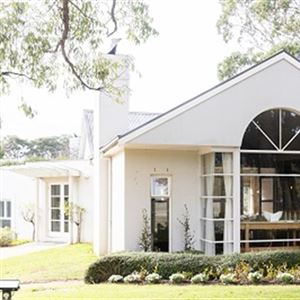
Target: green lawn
x: 63, y: 263
x: 188, y: 292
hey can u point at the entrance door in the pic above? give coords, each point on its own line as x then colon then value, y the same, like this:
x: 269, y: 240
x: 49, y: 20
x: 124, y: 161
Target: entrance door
x: 59, y: 201
x: 160, y: 224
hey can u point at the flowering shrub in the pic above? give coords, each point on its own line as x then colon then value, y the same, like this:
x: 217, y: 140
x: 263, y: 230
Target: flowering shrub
x: 200, y: 278
x: 153, y: 278
x: 286, y: 278
x: 177, y: 278
x: 228, y: 278
x: 115, y: 278
x: 6, y: 237
x: 255, y: 277
x: 133, y: 278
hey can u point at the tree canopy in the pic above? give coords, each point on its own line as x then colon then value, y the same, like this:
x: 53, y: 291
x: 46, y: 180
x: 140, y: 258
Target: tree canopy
x: 48, y: 42
x: 45, y: 148
x: 261, y: 27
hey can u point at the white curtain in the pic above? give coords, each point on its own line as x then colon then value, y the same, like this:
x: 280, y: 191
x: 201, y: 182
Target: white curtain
x: 209, y: 164
x: 228, y: 225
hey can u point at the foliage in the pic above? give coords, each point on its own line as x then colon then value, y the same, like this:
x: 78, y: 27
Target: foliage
x: 134, y: 277
x: 6, y: 237
x: 28, y: 215
x: 214, y: 266
x: 145, y: 240
x: 188, y: 236
x: 261, y: 27
x: 200, y: 278
x: 41, y: 41
x: 255, y: 277
x: 115, y: 279
x: 177, y: 278
x: 46, y: 148
x: 153, y: 278
x: 59, y: 263
x: 228, y: 278
x: 286, y: 278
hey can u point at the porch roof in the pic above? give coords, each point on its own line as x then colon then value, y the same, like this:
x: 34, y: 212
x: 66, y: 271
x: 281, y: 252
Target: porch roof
x: 44, y: 169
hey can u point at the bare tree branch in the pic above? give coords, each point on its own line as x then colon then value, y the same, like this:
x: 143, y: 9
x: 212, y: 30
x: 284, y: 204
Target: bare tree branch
x: 113, y: 17
x: 66, y: 24
x: 10, y: 73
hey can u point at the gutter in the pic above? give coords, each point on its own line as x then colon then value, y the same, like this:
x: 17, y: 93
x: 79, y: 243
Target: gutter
x: 109, y: 145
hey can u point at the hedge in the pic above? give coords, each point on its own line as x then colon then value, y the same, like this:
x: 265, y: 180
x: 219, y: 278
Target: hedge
x: 167, y: 264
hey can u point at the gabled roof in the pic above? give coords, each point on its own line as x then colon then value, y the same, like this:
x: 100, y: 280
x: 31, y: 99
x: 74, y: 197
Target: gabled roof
x: 189, y: 104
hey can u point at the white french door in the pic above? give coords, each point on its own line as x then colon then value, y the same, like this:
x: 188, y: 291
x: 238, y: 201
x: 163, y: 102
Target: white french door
x: 59, y: 201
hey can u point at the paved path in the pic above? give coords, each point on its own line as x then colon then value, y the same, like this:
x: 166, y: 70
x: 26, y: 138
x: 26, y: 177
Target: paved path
x: 6, y: 252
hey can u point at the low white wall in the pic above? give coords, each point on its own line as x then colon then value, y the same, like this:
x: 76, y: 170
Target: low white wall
x: 182, y: 166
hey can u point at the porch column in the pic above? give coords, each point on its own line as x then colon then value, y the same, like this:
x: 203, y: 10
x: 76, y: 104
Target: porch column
x: 71, y: 228
x: 236, y: 201
x: 36, y: 209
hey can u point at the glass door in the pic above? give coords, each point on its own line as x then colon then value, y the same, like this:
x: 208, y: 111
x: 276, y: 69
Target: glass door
x: 59, y: 201
x: 160, y: 224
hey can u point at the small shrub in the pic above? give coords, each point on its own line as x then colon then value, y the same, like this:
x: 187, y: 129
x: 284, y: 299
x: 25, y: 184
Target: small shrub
x: 200, y: 278
x: 6, y: 237
x: 115, y: 279
x: 228, y: 278
x: 255, y: 277
x: 286, y: 278
x: 177, y: 278
x: 133, y: 278
x: 153, y: 278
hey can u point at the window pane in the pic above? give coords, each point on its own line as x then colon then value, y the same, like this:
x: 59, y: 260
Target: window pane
x: 254, y: 139
x: 217, y: 163
x: 5, y: 223
x: 66, y: 189
x: 218, y: 186
x: 55, y: 189
x: 2, y: 209
x: 55, y: 226
x: 270, y: 163
x: 160, y: 186
x: 268, y: 121
x: 290, y: 126
x: 66, y: 226
x: 8, y: 209
x: 55, y: 214
x: 295, y: 144
x: 55, y: 202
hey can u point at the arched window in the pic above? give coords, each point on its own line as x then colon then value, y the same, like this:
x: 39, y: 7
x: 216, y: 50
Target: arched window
x: 270, y: 180
x: 276, y: 129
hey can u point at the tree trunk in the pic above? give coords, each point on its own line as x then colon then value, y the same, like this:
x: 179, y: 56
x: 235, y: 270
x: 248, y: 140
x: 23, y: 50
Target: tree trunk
x: 33, y: 231
x: 78, y: 232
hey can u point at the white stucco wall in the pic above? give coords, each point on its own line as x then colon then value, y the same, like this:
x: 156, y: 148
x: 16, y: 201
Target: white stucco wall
x: 222, y: 119
x: 21, y: 191
x: 117, y: 207
x: 182, y: 166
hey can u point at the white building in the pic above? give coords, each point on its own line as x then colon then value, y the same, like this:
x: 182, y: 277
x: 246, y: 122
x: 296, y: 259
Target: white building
x: 230, y: 154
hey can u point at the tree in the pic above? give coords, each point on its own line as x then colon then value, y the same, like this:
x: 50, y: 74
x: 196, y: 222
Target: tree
x: 75, y: 213
x: 41, y: 41
x: 145, y: 241
x: 261, y: 27
x: 45, y: 148
x: 28, y: 214
x: 188, y: 237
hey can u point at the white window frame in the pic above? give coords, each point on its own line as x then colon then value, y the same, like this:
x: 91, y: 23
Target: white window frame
x: 169, y: 177
x: 61, y: 208
x: 5, y: 217
x: 152, y: 189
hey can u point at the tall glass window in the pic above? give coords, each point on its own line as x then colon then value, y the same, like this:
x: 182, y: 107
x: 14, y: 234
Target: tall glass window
x: 5, y: 213
x: 270, y: 181
x: 217, y: 203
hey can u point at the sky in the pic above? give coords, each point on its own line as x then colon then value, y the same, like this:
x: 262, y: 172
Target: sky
x: 175, y: 66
